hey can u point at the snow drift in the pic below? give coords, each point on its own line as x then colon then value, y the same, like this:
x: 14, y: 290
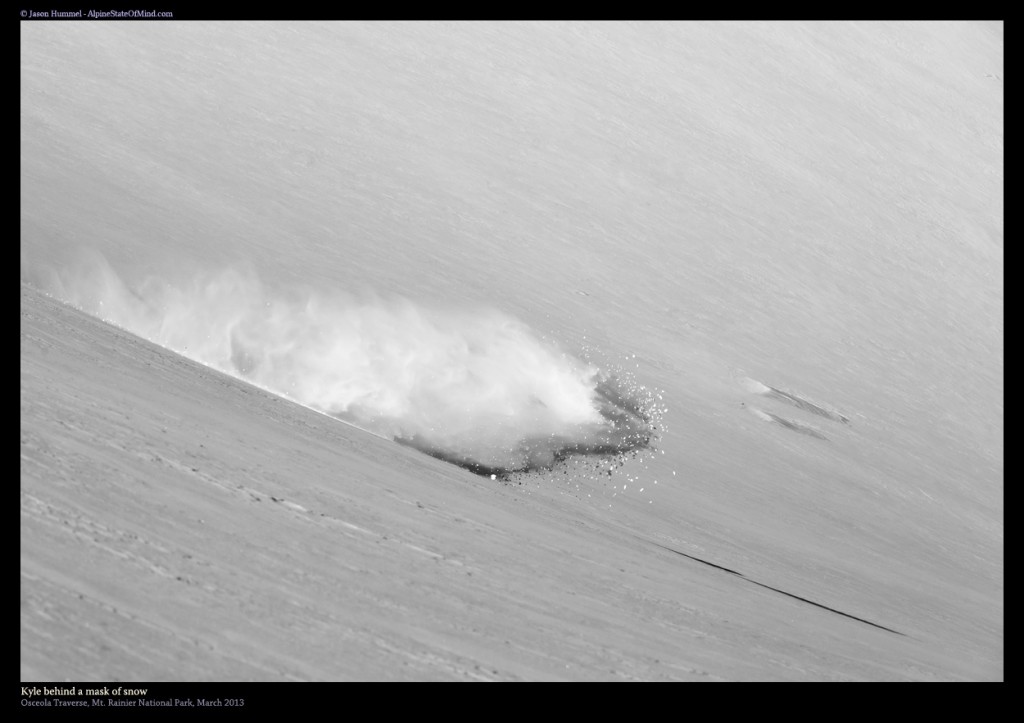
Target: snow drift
x: 474, y: 387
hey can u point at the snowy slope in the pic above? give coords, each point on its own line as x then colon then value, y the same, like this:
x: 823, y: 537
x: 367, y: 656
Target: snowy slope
x: 793, y: 232
x: 178, y: 524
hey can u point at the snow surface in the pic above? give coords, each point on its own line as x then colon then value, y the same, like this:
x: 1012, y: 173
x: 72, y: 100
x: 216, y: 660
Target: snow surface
x: 790, y: 234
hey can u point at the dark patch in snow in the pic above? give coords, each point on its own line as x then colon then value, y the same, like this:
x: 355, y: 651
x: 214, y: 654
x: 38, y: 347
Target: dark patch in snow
x: 781, y: 592
x: 796, y: 426
x: 631, y: 423
x: 805, y: 405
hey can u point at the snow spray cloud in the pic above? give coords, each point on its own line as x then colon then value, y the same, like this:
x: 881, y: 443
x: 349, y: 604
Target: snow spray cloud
x: 475, y: 388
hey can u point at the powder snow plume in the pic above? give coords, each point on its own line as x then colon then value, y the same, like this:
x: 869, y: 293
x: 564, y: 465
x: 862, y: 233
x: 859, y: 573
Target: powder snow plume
x: 475, y: 388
